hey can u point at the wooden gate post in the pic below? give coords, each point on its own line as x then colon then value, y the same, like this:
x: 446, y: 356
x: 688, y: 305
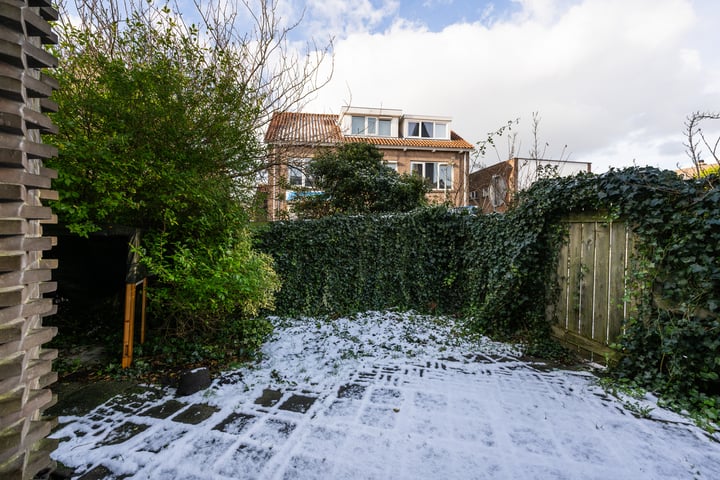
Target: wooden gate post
x: 129, y: 320
x: 135, y: 276
x: 128, y: 325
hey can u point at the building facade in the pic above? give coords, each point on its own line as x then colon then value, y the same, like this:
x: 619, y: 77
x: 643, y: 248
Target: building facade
x: 419, y: 144
x: 491, y: 189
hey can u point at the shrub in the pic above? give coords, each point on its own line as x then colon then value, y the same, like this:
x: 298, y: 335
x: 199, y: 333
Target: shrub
x: 200, y: 287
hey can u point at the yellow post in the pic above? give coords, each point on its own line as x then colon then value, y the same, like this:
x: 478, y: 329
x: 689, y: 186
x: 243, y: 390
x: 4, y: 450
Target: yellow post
x: 129, y: 325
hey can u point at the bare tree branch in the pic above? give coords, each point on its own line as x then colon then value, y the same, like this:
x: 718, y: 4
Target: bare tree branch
x: 285, y: 75
x: 693, y: 130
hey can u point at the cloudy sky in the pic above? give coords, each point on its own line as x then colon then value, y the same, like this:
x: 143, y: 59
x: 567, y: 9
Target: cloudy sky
x: 614, y: 80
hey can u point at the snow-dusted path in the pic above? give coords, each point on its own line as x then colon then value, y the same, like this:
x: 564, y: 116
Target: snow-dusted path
x: 386, y: 396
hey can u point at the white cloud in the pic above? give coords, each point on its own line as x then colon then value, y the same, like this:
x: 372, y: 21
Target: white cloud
x: 612, y: 79
x: 543, y: 11
x: 342, y: 18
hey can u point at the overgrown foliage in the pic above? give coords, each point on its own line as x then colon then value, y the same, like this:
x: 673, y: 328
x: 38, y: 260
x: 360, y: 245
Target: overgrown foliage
x: 206, y: 285
x: 672, y: 345
x: 498, y: 269
x: 344, y: 264
x: 430, y: 260
x: 152, y: 135
x: 157, y: 133
x: 354, y: 180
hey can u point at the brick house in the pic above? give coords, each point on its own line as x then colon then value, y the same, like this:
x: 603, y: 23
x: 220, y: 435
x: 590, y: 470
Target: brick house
x: 491, y: 189
x: 420, y: 144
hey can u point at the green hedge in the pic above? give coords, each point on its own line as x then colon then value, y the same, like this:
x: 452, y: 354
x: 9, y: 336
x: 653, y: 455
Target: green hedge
x: 338, y: 265
x: 431, y: 260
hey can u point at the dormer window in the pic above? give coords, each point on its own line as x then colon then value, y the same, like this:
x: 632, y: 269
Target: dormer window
x: 426, y: 129
x: 374, y: 126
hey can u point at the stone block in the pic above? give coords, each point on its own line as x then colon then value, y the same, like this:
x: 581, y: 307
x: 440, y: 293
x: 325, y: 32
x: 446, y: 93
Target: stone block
x: 193, y: 381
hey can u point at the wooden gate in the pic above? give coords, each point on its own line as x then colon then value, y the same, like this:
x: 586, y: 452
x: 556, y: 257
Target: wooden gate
x: 592, y: 304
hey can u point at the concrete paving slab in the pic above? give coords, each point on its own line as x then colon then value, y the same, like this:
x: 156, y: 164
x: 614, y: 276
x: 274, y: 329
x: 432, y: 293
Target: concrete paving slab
x: 453, y: 409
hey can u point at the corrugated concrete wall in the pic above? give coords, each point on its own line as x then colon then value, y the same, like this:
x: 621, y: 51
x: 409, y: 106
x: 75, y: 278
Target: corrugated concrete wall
x: 25, y: 366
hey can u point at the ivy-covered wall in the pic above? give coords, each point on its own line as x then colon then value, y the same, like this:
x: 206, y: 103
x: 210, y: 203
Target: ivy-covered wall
x: 497, y: 270
x: 339, y: 265
x: 489, y: 268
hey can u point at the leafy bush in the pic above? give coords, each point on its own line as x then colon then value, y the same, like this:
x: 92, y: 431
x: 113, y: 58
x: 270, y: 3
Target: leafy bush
x: 202, y: 286
x: 353, y: 179
x: 158, y: 133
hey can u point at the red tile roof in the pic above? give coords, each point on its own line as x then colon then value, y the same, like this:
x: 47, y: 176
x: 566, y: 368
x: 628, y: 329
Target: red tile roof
x: 316, y: 128
x: 456, y: 142
x: 303, y: 128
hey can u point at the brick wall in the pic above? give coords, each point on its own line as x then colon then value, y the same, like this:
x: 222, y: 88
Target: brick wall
x: 404, y: 158
x: 492, y: 188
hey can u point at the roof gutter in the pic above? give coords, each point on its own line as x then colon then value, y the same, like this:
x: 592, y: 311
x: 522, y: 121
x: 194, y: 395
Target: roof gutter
x: 429, y: 149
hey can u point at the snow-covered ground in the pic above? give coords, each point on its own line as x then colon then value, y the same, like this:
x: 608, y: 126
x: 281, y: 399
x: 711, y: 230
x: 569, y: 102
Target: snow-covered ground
x: 387, y: 396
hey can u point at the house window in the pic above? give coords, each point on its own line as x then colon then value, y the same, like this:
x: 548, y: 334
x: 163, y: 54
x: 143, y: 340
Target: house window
x: 427, y: 170
x: 296, y: 173
x: 358, y: 126
x: 439, y: 175
x: 413, y: 129
x: 426, y: 130
x: 392, y: 165
x: 370, y: 126
x: 445, y: 176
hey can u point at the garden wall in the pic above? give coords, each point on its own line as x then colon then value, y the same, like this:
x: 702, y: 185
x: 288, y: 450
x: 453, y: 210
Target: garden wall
x: 339, y: 265
x: 488, y: 268
x: 25, y: 367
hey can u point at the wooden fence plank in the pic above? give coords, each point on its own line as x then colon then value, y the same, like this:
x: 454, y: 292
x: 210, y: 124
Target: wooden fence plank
x: 574, y: 249
x: 561, y: 309
x: 587, y: 279
x: 618, y: 265
x: 602, y: 274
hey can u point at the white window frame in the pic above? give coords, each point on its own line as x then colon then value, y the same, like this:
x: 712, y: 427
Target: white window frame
x: 353, y: 127
x: 435, y: 167
x: 372, y: 126
x: 393, y: 165
x: 423, y: 125
x: 442, y: 183
x: 298, y: 165
x: 387, y: 122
